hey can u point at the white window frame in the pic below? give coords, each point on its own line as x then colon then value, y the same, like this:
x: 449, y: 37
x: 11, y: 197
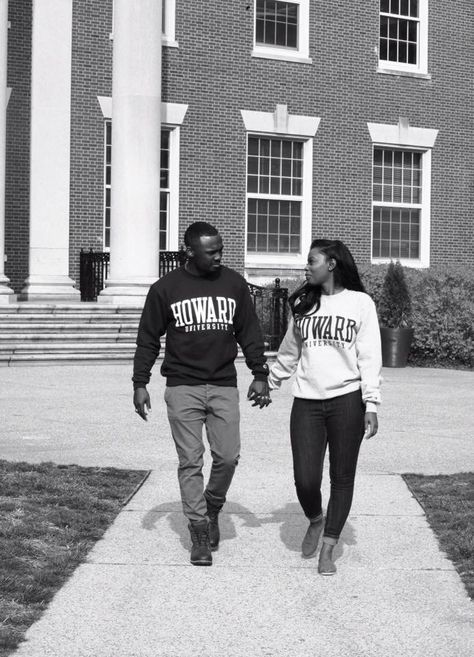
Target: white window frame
x: 400, y: 68
x: 405, y: 137
x: 168, y: 36
x: 301, y: 53
x: 284, y: 126
x: 172, y: 118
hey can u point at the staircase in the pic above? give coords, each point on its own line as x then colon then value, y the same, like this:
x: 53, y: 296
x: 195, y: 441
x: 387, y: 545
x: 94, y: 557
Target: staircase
x: 76, y: 333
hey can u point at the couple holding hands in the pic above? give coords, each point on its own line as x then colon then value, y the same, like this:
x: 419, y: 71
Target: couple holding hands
x: 332, y: 345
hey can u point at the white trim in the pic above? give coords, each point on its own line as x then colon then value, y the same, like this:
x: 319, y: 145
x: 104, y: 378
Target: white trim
x: 105, y: 103
x: 280, y: 122
x: 299, y: 54
x: 171, y: 113
x: 385, y: 66
x: 402, y: 135
x: 168, y: 28
x: 8, y: 94
x: 422, y: 139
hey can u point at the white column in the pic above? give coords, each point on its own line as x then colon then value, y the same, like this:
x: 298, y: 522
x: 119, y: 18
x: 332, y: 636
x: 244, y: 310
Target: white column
x: 48, y: 278
x: 6, y: 293
x: 136, y: 100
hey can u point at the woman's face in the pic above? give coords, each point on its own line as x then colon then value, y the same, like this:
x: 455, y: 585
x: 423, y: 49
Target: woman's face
x: 318, y: 269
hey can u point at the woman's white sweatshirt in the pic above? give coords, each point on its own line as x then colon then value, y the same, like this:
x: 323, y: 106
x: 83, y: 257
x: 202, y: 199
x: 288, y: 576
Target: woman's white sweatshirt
x: 334, y: 351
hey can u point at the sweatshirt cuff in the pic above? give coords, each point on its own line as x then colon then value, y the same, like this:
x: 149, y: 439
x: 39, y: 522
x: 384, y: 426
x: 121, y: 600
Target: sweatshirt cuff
x: 139, y: 384
x: 260, y: 376
x: 371, y: 407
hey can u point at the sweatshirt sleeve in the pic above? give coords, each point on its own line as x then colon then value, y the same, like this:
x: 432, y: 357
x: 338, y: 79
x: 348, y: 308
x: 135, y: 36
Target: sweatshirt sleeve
x: 248, y: 334
x: 152, y: 326
x: 369, y: 356
x: 287, y: 357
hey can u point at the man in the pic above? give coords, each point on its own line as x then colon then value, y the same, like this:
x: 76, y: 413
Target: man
x: 205, y: 309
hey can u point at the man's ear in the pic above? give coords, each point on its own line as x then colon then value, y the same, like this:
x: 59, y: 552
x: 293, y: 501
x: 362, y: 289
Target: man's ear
x: 189, y: 252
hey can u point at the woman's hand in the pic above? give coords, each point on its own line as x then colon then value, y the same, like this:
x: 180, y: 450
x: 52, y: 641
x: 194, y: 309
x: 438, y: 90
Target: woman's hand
x: 371, y: 425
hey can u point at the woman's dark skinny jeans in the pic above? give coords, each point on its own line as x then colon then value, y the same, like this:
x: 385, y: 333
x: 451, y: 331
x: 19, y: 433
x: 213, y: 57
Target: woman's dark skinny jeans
x: 314, y: 424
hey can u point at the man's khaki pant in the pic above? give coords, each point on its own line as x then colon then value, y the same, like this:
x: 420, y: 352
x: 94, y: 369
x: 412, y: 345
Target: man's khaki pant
x: 189, y: 409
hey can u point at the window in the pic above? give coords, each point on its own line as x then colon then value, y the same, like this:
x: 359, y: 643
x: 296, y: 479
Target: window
x: 403, y: 36
x: 168, y: 23
x: 164, y: 190
x: 397, y: 205
x: 401, y: 190
x: 282, y: 30
x: 108, y: 179
x: 274, y: 201
x: 279, y: 187
x: 172, y: 117
x: 276, y: 23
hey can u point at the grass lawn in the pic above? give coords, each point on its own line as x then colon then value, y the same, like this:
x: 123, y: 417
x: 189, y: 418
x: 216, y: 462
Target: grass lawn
x: 50, y: 517
x: 448, y: 501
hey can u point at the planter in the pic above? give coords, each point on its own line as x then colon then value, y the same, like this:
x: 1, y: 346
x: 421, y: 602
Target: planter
x: 396, y: 343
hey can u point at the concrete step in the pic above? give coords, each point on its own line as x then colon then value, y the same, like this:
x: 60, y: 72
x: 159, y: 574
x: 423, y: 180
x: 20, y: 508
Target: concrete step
x: 86, y: 318
x: 66, y: 309
x: 9, y: 360
x: 57, y: 347
x: 63, y: 336
x: 22, y: 328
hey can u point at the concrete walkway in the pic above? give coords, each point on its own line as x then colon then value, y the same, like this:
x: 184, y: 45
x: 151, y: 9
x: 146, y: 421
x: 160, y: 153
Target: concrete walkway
x: 137, y: 595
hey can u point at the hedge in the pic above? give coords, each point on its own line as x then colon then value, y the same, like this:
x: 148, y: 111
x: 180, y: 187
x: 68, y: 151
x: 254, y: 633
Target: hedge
x: 443, y: 311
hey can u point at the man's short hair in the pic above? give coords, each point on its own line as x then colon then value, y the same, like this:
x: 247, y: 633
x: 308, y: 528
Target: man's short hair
x: 198, y: 229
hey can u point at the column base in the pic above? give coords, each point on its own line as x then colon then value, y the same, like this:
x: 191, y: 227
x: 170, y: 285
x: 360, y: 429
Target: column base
x: 125, y: 293
x: 50, y: 289
x: 6, y: 293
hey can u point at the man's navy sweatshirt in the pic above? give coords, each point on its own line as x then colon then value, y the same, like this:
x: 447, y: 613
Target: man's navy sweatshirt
x: 204, y: 317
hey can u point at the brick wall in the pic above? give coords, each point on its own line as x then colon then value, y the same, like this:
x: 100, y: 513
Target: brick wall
x: 17, y: 188
x: 213, y: 72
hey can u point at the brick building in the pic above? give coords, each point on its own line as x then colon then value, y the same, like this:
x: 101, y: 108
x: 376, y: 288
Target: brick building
x: 279, y: 122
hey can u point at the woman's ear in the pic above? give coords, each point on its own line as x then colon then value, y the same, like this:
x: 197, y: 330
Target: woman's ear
x: 332, y: 264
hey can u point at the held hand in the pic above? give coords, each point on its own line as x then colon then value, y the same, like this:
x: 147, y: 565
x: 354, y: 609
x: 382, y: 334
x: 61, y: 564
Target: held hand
x: 371, y: 425
x: 141, y: 398
x: 259, y: 393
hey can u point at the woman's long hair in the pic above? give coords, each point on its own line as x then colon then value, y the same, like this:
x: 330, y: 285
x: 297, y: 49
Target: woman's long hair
x: 345, y: 272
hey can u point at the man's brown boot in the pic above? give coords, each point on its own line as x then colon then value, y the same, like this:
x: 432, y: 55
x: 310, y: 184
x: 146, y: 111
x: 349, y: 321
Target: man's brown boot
x: 214, y: 533
x: 200, y: 549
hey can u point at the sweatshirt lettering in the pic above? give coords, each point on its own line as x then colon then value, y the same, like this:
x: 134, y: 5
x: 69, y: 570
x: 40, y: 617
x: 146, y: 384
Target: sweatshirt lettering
x: 326, y: 328
x: 199, y: 311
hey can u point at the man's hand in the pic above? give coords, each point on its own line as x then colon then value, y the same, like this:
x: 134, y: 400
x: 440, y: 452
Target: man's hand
x: 259, y: 393
x: 371, y: 425
x: 141, y: 398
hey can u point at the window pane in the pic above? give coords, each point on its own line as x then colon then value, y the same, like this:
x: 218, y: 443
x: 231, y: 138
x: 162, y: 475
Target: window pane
x: 274, y: 218
x: 276, y: 23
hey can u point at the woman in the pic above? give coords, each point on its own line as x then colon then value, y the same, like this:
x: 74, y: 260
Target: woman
x: 333, y: 343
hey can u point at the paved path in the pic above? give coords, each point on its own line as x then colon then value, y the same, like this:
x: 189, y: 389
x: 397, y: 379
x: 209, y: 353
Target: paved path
x: 137, y: 595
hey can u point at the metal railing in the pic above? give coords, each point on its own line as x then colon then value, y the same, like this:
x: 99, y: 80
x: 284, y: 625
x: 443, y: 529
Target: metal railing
x: 93, y: 270
x: 271, y: 306
x: 270, y: 303
x: 170, y: 260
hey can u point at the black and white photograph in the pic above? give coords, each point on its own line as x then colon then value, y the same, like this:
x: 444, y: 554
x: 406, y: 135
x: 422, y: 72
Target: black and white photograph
x: 236, y: 328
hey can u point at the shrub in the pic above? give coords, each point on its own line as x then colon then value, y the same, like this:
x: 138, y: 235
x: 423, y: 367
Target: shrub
x: 395, y: 304
x: 442, y: 302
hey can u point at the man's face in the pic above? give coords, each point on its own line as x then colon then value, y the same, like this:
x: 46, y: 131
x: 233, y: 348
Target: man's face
x: 206, y: 254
